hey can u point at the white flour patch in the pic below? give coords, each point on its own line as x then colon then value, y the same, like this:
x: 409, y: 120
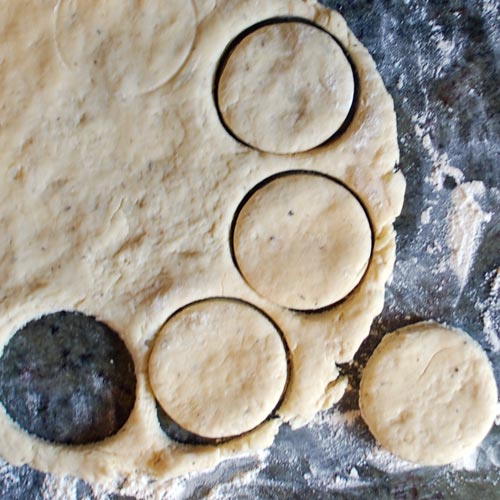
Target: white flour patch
x: 441, y: 167
x: 466, y: 222
x: 425, y: 217
x: 468, y: 462
x: 240, y: 480
x: 383, y: 460
x: 59, y: 489
x: 445, y: 49
x: 466, y: 219
x: 490, y: 311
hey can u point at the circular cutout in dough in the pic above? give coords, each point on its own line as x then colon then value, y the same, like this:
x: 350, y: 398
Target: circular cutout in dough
x: 68, y: 379
x: 138, y: 46
x: 428, y: 394
x: 286, y: 87
x: 302, y: 240
x: 218, y: 368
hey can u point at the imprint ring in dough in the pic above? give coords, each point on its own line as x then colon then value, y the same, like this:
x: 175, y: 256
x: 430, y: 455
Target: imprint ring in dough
x: 137, y: 46
x: 428, y: 394
x: 218, y: 368
x: 286, y: 88
x: 300, y: 250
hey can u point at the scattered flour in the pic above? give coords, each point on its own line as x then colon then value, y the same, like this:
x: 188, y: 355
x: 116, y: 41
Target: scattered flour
x: 490, y: 311
x: 241, y: 479
x: 141, y: 488
x: 441, y: 167
x: 466, y: 221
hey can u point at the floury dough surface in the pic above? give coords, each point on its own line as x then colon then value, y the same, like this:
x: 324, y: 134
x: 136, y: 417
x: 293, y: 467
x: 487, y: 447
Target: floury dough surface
x: 119, y: 205
x: 428, y: 394
x: 286, y: 88
x: 218, y: 368
x: 327, y: 243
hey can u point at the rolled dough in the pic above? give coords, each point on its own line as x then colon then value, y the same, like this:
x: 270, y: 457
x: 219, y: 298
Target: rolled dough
x: 302, y: 250
x: 286, y: 88
x: 135, y: 47
x: 218, y: 368
x: 428, y: 394
x: 118, y: 203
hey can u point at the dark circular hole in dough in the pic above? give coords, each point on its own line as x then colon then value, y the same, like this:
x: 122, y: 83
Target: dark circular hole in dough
x: 279, y: 175
x: 67, y: 378
x: 282, y: 20
x: 177, y: 433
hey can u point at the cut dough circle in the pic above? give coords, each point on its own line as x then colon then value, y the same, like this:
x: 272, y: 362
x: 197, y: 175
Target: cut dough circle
x: 218, y: 368
x: 428, y: 394
x: 137, y: 46
x: 301, y: 250
x: 286, y: 87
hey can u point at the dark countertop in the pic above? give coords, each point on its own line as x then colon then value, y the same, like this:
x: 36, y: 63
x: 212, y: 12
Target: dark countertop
x: 440, y: 62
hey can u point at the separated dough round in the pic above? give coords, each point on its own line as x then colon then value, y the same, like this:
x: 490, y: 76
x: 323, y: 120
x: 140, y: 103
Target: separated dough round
x: 302, y: 241
x: 137, y: 46
x: 218, y: 368
x: 428, y: 394
x: 286, y: 88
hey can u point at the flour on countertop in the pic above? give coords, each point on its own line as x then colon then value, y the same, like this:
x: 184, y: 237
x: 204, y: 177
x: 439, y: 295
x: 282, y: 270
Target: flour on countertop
x: 466, y: 222
x: 466, y: 219
x: 345, y: 448
x: 490, y: 311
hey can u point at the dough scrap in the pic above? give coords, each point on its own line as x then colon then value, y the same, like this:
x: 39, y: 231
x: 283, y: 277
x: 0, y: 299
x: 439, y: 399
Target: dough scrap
x: 428, y: 394
x: 218, y: 368
x: 301, y: 251
x: 286, y: 88
x: 121, y: 209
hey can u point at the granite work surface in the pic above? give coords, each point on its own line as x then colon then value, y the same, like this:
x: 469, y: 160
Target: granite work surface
x: 439, y: 60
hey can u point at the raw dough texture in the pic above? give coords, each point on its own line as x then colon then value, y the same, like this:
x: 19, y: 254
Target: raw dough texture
x: 428, y: 394
x: 300, y: 250
x: 218, y: 368
x: 286, y: 88
x: 118, y: 193
x: 135, y: 49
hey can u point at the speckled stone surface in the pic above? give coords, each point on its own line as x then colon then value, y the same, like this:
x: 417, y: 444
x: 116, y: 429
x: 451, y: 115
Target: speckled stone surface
x: 440, y: 62
x: 67, y: 378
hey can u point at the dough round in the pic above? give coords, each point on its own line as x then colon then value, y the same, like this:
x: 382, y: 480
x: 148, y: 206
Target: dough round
x: 428, y: 394
x: 302, y: 240
x: 286, y: 88
x: 136, y: 46
x: 218, y: 368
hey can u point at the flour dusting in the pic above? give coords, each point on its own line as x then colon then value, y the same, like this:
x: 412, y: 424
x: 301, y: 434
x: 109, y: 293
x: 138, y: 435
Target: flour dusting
x: 490, y: 310
x: 466, y: 222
